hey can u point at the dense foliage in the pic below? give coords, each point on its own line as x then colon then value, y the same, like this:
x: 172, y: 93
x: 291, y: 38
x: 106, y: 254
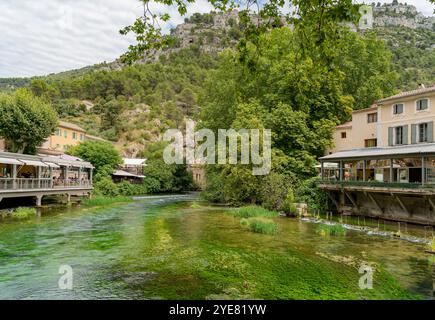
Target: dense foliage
x: 25, y: 121
x: 413, y: 55
x: 133, y: 105
x: 100, y: 154
x: 300, y: 97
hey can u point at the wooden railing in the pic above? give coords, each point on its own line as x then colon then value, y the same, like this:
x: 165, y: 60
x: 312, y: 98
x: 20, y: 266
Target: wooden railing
x: 42, y: 183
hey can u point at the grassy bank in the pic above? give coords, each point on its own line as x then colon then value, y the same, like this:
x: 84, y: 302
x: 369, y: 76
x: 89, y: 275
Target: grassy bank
x: 101, y: 201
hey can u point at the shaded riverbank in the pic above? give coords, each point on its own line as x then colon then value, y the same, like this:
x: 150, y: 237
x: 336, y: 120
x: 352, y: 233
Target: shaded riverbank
x: 172, y: 247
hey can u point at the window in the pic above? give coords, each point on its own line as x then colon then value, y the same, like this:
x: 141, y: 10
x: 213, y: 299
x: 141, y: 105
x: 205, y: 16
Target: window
x: 398, y: 108
x: 422, y: 104
x: 399, y: 135
x: 75, y: 135
x: 372, y: 117
x: 65, y: 134
x: 422, y: 132
x: 82, y: 137
x: 58, y: 132
x: 343, y: 135
x: 371, y: 143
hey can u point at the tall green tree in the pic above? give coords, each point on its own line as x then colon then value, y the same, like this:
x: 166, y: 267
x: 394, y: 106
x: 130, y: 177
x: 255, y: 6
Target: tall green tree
x: 101, y: 154
x: 315, y: 22
x: 25, y: 120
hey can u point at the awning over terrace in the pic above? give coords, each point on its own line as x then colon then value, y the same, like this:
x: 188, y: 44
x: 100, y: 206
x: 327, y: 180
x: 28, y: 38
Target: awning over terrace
x: 379, y: 153
x: 68, y: 162
x: 122, y: 173
x: 10, y: 161
x: 34, y: 163
x: 52, y: 165
x: 54, y: 162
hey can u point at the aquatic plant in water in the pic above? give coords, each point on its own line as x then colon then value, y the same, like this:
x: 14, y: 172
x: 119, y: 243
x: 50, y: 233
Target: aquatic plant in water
x: 260, y: 225
x: 253, y: 211
x: 23, y: 213
x: 334, y: 229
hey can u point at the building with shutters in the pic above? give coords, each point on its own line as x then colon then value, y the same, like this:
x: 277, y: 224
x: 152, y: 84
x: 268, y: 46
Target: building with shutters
x: 383, y: 161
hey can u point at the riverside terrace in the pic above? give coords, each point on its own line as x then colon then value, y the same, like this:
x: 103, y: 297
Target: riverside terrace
x: 396, y: 183
x: 37, y: 176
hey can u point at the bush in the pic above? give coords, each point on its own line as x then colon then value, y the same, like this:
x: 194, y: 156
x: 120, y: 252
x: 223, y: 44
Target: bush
x: 260, y: 225
x: 125, y: 188
x: 253, y: 211
x: 151, y: 185
x: 106, y: 187
x: 23, y: 213
x: 288, y: 205
x: 310, y: 193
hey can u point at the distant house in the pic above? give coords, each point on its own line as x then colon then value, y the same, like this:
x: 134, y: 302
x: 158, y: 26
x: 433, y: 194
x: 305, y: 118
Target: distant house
x: 383, y: 162
x: 66, y: 135
x: 198, y: 174
x: 403, y: 119
x: 130, y: 170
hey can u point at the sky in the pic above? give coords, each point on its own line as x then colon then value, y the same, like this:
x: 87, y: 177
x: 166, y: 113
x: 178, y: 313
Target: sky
x: 49, y: 36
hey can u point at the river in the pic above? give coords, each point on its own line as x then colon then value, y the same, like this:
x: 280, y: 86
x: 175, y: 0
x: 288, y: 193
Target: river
x: 176, y: 248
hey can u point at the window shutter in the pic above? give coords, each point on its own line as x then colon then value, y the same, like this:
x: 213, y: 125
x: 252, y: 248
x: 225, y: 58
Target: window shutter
x: 413, y: 133
x: 430, y: 131
x: 390, y: 136
x: 405, y: 134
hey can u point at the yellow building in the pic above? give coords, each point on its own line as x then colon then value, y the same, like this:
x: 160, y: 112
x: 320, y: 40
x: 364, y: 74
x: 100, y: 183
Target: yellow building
x: 402, y: 119
x: 66, y: 135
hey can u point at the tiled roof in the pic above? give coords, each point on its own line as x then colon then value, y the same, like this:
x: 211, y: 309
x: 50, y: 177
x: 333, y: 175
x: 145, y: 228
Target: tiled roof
x: 345, y: 125
x: 406, y: 94
x: 372, y: 108
x: 72, y: 126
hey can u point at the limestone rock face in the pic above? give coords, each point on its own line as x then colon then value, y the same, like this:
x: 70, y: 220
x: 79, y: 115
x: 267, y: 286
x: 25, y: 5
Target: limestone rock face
x: 401, y: 15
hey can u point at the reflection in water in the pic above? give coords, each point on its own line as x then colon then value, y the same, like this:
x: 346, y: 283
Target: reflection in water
x: 171, y: 247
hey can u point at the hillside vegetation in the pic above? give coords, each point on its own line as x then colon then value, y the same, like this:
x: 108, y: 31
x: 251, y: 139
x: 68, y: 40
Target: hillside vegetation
x: 131, y: 106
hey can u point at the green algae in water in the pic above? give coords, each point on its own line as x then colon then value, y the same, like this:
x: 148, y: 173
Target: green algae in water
x: 153, y: 250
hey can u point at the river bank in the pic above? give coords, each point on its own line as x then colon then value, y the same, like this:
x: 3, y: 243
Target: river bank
x: 175, y: 247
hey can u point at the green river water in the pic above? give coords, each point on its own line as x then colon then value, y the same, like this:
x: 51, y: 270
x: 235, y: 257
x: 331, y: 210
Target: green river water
x: 176, y: 248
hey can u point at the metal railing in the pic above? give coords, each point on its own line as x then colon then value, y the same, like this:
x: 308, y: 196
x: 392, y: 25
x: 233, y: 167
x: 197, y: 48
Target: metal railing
x: 41, y: 183
x: 71, y: 183
x: 24, y: 183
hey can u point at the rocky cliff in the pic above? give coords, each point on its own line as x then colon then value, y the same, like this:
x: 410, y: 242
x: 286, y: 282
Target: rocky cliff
x: 400, y: 15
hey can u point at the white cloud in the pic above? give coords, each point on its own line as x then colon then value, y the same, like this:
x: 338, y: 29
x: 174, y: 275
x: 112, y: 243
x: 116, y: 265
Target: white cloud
x: 48, y: 36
